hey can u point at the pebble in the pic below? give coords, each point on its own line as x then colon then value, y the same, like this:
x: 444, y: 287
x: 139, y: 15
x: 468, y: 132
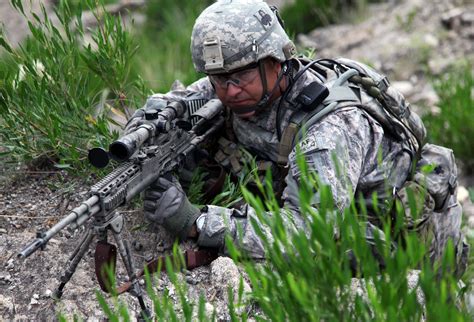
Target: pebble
x: 47, y: 293
x: 137, y: 245
x: 7, y: 278
x: 54, y: 241
x: 3, y: 231
x: 431, y: 40
x: 191, y: 280
x: 10, y: 264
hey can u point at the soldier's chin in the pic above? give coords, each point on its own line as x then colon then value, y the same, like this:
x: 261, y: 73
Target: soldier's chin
x: 246, y: 115
x: 243, y: 111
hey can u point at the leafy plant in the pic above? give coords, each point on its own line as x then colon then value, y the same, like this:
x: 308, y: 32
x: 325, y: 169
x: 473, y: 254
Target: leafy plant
x: 164, y: 54
x: 58, y: 88
x: 308, y: 274
x: 453, y: 125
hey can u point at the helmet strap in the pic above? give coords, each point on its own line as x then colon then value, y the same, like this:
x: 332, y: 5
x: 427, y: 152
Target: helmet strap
x: 265, y: 94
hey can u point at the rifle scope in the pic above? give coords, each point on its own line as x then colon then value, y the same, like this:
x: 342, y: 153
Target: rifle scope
x: 157, y: 122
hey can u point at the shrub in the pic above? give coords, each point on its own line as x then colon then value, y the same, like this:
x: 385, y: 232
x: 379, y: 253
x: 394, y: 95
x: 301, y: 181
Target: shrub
x: 53, y: 84
x: 453, y: 126
x: 164, y: 45
x: 310, y: 279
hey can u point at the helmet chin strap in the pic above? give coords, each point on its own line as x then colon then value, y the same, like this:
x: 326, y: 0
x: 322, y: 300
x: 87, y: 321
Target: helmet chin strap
x: 265, y: 95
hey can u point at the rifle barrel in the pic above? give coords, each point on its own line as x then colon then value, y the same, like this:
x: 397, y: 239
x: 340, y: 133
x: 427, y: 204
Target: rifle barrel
x: 85, y: 208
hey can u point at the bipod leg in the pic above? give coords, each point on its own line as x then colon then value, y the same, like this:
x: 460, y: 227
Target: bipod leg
x: 73, y: 261
x: 136, y: 289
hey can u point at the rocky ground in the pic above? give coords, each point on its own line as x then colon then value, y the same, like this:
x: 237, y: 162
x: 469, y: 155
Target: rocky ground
x: 37, y: 200
x: 405, y: 39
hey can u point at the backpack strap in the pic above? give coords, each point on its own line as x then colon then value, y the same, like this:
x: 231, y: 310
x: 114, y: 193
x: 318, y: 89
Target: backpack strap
x: 303, y: 119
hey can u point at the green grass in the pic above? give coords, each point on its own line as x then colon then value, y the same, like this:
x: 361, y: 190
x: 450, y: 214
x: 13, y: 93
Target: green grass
x: 57, y: 89
x: 309, y: 279
x: 164, y: 43
x: 302, y: 16
x: 453, y: 125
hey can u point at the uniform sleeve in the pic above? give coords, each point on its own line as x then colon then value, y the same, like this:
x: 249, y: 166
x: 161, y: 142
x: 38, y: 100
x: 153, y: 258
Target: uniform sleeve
x: 335, y: 149
x: 341, y: 137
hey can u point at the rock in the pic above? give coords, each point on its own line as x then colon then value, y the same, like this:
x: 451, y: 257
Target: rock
x: 359, y: 288
x: 10, y: 265
x: 468, y: 210
x: 452, y: 18
x: 47, y: 293
x: 470, y: 222
x: 209, y: 309
x: 137, y: 246
x: 6, y: 306
x: 5, y: 278
x: 427, y: 96
x: 225, y: 274
x: 405, y: 87
x: 469, y: 301
x: 463, y: 194
x: 431, y: 40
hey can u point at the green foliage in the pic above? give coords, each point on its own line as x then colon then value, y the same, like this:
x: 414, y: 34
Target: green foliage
x: 406, y: 22
x: 309, y: 279
x: 57, y: 87
x: 302, y: 16
x: 307, y: 275
x: 164, y: 53
x: 453, y: 126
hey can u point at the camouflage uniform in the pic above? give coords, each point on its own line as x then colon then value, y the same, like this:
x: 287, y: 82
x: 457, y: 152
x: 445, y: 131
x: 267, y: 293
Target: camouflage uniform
x: 373, y: 163
x: 233, y: 34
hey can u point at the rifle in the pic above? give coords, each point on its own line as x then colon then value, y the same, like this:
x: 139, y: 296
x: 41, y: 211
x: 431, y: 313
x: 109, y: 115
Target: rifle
x: 158, y: 146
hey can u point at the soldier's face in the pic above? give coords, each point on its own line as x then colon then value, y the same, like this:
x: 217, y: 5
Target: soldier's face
x: 244, y: 89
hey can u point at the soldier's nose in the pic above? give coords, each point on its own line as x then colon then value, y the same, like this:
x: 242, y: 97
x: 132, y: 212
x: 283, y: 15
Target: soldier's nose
x: 233, y: 89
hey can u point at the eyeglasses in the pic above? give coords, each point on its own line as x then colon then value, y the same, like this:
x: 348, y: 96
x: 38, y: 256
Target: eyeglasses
x: 240, y: 78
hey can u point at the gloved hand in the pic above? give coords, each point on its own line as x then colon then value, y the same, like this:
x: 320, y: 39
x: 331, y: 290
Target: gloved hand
x: 167, y: 204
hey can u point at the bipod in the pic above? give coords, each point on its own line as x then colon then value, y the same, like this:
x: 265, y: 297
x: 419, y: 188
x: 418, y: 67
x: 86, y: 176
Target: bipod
x: 105, y: 258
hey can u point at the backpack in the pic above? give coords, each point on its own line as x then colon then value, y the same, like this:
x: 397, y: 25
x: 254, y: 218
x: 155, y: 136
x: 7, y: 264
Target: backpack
x: 387, y: 105
x: 440, y: 215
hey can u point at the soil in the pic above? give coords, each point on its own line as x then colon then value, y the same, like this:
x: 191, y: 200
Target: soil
x: 34, y: 201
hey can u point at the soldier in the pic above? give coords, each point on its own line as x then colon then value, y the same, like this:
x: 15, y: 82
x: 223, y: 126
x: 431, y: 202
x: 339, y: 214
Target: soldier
x: 251, y: 67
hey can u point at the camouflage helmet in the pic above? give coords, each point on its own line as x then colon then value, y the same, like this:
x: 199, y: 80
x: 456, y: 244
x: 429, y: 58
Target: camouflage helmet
x: 231, y: 34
